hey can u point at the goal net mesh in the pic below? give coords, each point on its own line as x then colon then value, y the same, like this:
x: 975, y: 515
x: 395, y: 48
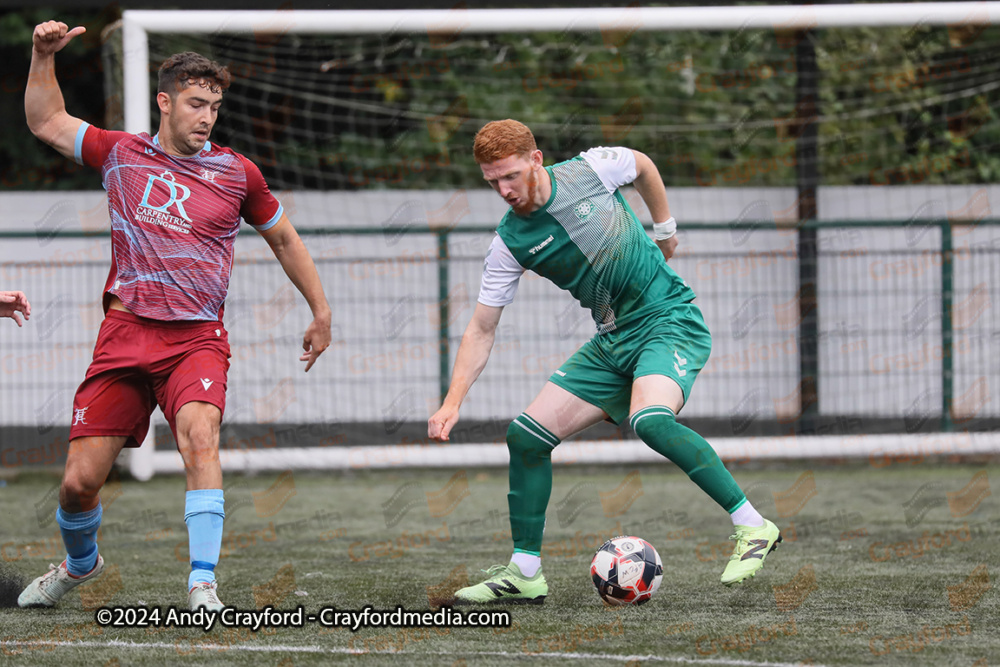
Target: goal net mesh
x: 905, y: 130
x: 893, y: 106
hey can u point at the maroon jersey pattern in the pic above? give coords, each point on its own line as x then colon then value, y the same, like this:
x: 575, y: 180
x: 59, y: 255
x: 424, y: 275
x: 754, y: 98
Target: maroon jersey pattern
x: 174, y: 221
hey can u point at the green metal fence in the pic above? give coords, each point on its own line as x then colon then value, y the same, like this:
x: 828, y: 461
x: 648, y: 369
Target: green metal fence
x: 898, y: 333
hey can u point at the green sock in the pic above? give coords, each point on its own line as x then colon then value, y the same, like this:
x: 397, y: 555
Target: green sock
x: 657, y: 428
x: 530, y: 445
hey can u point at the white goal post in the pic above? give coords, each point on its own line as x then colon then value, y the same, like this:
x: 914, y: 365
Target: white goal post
x: 138, y: 24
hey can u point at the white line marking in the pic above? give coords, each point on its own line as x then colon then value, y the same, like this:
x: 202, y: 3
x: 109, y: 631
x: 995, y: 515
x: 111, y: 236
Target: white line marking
x: 208, y: 646
x: 116, y: 643
x: 650, y: 658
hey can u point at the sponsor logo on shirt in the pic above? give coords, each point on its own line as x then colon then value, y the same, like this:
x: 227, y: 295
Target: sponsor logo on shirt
x: 541, y: 246
x: 162, y: 194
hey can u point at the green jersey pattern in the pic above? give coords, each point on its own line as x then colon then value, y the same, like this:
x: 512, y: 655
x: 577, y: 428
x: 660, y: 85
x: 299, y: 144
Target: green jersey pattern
x: 589, y: 242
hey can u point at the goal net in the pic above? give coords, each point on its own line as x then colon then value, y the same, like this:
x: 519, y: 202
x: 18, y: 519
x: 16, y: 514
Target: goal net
x: 395, y: 107
x: 877, y: 122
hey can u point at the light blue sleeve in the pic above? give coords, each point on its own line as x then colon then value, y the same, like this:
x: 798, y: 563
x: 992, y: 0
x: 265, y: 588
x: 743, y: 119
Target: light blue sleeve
x: 273, y: 221
x: 78, y: 144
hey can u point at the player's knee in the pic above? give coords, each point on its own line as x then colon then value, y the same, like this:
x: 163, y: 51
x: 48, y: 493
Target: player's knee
x: 199, y: 445
x: 198, y: 435
x: 201, y: 434
x: 520, y: 441
x: 79, y: 493
x: 526, y: 447
x: 198, y: 422
x: 652, y: 426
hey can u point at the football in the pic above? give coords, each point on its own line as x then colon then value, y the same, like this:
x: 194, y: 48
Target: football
x: 626, y: 570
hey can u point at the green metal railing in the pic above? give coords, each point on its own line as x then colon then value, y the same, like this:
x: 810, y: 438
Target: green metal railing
x: 809, y: 365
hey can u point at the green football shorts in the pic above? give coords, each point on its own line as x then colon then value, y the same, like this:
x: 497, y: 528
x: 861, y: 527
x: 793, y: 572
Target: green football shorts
x: 675, y: 343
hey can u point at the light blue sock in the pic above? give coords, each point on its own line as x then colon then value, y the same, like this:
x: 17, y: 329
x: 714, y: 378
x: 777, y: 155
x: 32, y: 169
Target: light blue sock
x: 204, y: 512
x: 79, y: 533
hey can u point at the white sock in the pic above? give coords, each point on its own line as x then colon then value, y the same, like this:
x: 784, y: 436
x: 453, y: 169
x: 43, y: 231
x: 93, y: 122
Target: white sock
x: 528, y: 564
x: 746, y: 515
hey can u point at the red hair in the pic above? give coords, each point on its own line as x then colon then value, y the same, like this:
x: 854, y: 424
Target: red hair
x: 502, y: 138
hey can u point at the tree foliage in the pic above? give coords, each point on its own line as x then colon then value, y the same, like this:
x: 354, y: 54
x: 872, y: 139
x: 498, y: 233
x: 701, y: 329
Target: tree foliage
x: 27, y: 163
x: 892, y: 106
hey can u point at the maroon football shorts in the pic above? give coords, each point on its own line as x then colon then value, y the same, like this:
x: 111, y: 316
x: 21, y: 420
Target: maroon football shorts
x: 141, y: 363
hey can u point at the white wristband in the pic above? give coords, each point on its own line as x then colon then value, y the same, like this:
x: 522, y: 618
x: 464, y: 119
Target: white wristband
x: 664, y: 230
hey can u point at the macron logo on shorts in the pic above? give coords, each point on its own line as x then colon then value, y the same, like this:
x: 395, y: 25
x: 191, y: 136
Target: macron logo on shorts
x: 206, y: 383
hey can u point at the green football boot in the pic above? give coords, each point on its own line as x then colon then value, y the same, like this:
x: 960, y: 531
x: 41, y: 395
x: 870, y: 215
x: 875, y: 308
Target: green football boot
x: 753, y: 544
x: 505, y: 585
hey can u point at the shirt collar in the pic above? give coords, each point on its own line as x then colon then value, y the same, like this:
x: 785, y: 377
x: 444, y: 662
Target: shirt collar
x: 207, y: 148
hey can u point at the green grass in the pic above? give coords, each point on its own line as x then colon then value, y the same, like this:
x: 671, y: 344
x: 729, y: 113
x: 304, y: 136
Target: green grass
x: 840, y: 593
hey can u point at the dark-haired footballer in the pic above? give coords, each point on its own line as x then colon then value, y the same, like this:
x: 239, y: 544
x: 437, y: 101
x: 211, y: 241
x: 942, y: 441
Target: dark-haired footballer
x: 175, y: 201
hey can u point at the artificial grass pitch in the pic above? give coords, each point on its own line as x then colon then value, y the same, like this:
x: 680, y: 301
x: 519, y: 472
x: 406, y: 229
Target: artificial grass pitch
x: 888, y: 565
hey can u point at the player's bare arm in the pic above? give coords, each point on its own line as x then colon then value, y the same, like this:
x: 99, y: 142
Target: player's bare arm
x: 44, y: 107
x: 649, y: 185
x: 13, y: 305
x: 473, y: 353
x: 287, y: 246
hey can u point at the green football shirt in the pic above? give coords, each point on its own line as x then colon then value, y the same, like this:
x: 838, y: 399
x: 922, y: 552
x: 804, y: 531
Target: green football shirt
x: 588, y: 241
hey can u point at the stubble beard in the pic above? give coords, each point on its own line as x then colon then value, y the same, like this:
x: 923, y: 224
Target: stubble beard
x: 528, y: 206
x: 186, y: 141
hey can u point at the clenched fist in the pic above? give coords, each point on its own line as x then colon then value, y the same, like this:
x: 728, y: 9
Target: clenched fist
x: 50, y: 37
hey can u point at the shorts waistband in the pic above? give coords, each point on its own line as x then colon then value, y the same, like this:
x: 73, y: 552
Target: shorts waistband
x: 640, y: 319
x: 131, y: 318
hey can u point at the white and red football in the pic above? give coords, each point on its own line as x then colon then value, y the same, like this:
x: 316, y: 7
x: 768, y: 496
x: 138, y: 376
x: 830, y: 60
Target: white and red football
x: 626, y: 570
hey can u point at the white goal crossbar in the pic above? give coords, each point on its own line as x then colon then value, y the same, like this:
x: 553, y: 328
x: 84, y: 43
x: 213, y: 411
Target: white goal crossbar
x: 137, y: 24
